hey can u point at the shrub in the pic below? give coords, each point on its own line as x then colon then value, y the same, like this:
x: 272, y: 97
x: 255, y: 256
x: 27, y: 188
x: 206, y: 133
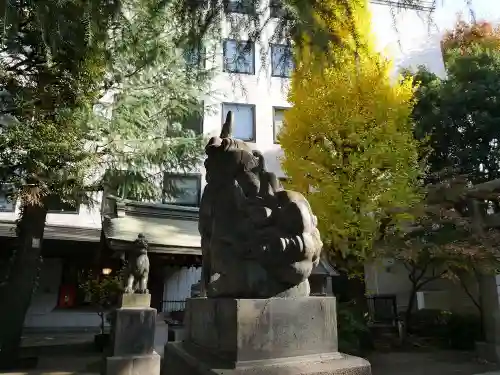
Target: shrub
x: 429, y: 322
x: 454, y: 330
x: 352, y: 328
x: 463, y: 331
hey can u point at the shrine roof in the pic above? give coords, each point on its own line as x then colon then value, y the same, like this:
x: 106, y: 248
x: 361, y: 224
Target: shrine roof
x: 168, y: 228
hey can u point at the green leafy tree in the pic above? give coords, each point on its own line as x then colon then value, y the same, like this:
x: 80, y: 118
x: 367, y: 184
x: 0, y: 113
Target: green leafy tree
x: 156, y: 89
x: 50, y: 69
x: 456, y: 116
x: 54, y: 69
x: 451, y: 236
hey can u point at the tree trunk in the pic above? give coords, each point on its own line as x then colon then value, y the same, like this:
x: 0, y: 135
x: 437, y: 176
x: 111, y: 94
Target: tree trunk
x: 22, y: 282
x: 409, y: 310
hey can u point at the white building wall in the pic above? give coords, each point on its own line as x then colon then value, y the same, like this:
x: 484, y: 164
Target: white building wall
x: 381, y: 278
x: 407, y: 36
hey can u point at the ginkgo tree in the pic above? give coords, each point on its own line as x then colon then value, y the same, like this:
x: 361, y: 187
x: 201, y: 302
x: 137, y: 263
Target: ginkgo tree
x: 347, y: 140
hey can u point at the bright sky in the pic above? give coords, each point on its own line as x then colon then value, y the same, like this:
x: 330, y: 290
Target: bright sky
x: 446, y: 11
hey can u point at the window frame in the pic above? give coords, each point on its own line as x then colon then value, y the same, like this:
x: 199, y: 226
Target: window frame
x: 224, y: 60
x: 75, y: 212
x: 193, y: 176
x: 280, y: 75
x: 236, y: 7
x: 253, y: 139
x: 275, y: 134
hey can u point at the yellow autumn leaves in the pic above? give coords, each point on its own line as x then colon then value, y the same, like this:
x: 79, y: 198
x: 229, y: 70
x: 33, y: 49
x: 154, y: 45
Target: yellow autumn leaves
x: 347, y: 140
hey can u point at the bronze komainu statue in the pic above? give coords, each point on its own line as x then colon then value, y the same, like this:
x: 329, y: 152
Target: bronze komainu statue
x: 258, y: 240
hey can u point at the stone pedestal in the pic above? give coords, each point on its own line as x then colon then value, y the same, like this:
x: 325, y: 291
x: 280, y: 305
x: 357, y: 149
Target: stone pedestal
x: 132, y: 338
x: 267, y: 336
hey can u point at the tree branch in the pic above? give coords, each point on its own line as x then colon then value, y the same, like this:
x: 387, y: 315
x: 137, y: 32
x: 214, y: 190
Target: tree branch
x: 470, y: 295
x: 432, y: 278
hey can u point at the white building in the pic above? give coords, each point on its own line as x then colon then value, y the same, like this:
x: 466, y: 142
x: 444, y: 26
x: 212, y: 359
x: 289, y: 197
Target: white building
x: 257, y: 99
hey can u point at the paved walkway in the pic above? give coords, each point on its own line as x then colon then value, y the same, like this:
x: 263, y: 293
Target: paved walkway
x: 437, y: 363
x: 428, y: 363
x: 56, y: 338
x: 70, y: 354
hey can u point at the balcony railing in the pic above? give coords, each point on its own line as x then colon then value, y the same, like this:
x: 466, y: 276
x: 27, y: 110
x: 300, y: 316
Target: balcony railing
x: 173, y: 312
x: 172, y: 306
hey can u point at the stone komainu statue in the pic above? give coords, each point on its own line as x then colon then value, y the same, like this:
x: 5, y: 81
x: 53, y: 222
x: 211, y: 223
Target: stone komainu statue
x: 258, y: 240
x: 138, y: 266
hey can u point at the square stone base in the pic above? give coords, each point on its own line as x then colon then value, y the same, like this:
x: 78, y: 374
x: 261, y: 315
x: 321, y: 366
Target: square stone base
x: 242, y: 330
x: 275, y: 336
x: 178, y: 359
x: 135, y: 300
x: 133, y: 331
x: 148, y: 364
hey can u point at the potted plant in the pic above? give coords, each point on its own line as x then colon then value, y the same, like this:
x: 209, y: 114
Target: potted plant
x: 102, y: 292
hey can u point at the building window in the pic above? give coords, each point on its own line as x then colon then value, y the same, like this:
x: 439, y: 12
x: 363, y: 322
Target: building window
x: 56, y: 205
x: 182, y: 189
x: 243, y: 120
x: 195, y: 57
x: 7, y: 204
x: 277, y: 11
x: 281, y: 60
x: 278, y: 117
x: 240, y: 6
x: 193, y: 120
x: 239, y: 57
